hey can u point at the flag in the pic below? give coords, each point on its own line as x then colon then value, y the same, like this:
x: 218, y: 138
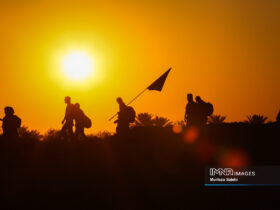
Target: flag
x: 158, y: 84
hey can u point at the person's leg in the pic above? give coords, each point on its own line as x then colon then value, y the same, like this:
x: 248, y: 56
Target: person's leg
x: 63, y: 130
x: 123, y: 128
x: 83, y: 131
x: 118, y: 129
x: 79, y: 133
x: 69, y: 128
x: 76, y: 133
x: 204, y: 120
x: 126, y: 127
x: 189, y: 122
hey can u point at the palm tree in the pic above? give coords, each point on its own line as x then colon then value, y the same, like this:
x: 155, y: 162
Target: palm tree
x: 161, y: 122
x: 216, y: 119
x: 144, y: 119
x: 256, y: 119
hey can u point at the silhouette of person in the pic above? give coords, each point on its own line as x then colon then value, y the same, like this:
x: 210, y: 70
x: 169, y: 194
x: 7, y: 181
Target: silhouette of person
x: 67, y: 128
x: 11, y: 123
x: 191, y: 111
x: 79, y: 121
x: 278, y: 118
x: 123, y: 118
x: 202, y: 113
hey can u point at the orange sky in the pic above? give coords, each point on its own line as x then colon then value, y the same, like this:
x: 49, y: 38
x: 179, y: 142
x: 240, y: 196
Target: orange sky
x: 225, y: 51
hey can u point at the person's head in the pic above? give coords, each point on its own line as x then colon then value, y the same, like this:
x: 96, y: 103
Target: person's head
x: 190, y: 97
x: 198, y: 99
x: 119, y: 100
x: 77, y: 105
x: 9, y: 110
x: 67, y: 100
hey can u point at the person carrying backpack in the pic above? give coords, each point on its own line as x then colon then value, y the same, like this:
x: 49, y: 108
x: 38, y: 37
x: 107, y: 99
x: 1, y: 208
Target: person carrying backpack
x: 191, y: 111
x: 11, y: 123
x: 81, y: 121
x: 126, y: 115
x: 204, y: 110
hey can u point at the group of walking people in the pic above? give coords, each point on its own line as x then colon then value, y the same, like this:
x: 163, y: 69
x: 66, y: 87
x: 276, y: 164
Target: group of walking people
x: 197, y: 111
x: 196, y: 114
x: 74, y: 113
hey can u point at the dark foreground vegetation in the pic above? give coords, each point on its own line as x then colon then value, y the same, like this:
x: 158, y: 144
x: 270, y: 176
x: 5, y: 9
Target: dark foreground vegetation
x: 150, y: 168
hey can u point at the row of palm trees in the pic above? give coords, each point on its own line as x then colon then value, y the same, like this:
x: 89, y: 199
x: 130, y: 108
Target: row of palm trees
x: 143, y: 120
x: 147, y: 119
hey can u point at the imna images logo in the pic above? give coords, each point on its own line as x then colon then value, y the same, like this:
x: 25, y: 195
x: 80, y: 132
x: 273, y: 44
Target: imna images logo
x: 221, y: 171
x: 230, y: 172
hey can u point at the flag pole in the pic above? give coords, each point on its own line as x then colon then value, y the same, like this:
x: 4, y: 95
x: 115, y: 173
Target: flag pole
x: 130, y: 102
x: 156, y: 85
x: 137, y: 96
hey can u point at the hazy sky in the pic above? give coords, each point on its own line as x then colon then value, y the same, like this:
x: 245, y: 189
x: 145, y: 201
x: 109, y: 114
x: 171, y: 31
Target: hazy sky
x: 226, y: 51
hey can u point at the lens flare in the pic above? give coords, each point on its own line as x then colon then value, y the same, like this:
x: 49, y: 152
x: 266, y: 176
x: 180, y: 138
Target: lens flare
x: 177, y: 128
x: 234, y: 158
x: 191, y: 134
x: 205, y: 151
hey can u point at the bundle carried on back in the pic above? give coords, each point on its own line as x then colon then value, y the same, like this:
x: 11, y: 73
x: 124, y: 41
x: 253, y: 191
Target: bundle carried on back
x: 87, y: 122
x: 209, y: 109
x: 131, y: 114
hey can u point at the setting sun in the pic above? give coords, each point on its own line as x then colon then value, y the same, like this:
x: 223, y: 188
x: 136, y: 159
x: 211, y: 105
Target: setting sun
x: 77, y: 65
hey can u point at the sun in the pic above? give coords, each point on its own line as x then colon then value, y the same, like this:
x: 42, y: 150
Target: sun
x: 77, y: 65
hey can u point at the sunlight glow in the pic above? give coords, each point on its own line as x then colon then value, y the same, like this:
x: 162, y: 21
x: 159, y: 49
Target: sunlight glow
x: 77, y: 66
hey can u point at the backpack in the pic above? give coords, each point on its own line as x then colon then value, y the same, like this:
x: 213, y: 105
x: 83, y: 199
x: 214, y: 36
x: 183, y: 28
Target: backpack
x: 17, y: 121
x: 87, y: 122
x: 209, y: 109
x: 130, y: 114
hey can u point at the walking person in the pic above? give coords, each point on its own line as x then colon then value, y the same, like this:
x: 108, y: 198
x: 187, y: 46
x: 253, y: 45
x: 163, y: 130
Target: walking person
x: 191, y: 111
x: 67, y: 128
x: 126, y: 115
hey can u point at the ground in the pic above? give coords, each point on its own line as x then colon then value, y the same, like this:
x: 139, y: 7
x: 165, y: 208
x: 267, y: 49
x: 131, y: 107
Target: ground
x: 149, y: 168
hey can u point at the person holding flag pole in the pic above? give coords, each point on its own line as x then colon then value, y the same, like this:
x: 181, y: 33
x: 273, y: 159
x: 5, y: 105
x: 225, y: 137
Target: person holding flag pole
x: 156, y: 85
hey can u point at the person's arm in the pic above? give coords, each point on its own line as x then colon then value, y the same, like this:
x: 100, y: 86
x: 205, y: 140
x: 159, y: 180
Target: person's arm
x: 186, y: 112
x: 117, y: 120
x: 63, y: 120
x: 64, y: 116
